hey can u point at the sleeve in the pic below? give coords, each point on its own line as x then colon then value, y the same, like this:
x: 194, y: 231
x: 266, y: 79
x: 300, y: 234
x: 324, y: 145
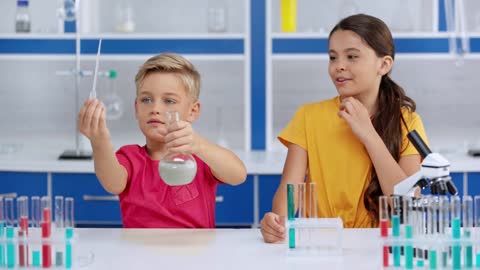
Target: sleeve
x: 295, y: 132
x: 123, y: 158
x: 414, y: 122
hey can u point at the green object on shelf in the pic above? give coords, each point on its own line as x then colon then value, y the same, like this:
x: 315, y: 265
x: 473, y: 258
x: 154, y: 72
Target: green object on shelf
x: 112, y: 74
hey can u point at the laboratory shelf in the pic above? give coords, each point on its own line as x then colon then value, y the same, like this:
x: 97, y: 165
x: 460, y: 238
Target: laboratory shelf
x: 116, y: 44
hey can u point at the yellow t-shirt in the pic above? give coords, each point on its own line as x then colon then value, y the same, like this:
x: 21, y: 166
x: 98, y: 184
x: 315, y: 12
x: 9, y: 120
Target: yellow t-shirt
x: 337, y: 160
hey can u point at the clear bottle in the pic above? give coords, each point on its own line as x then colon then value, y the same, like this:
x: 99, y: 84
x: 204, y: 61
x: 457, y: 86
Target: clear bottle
x: 22, y: 17
x: 217, y: 16
x: 113, y: 102
x: 180, y: 168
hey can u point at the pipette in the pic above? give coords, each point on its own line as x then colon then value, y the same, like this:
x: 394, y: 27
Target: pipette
x: 93, y: 93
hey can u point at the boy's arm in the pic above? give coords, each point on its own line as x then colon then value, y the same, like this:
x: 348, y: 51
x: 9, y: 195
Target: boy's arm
x: 92, y: 123
x: 112, y: 175
x: 225, y: 165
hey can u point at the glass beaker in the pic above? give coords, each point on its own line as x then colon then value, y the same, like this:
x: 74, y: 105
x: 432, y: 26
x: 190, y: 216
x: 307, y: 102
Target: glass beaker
x: 177, y: 168
x: 217, y: 16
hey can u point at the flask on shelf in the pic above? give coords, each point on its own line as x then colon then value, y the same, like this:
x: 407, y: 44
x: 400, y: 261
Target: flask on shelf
x: 113, y: 102
x: 22, y: 17
x: 177, y: 168
x: 217, y: 16
x: 288, y: 12
x: 125, y: 17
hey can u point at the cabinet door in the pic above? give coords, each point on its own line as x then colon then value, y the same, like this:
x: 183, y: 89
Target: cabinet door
x: 267, y: 187
x: 23, y: 183
x: 235, y: 204
x: 93, y: 205
x: 474, y: 184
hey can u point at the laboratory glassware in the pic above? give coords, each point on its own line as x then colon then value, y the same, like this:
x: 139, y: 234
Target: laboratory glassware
x: 177, y: 168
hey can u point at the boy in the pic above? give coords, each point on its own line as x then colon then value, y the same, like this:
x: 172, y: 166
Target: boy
x: 166, y: 82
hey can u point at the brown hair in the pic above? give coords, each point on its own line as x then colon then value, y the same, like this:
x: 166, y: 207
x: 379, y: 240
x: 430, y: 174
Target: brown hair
x: 390, y: 101
x: 172, y: 63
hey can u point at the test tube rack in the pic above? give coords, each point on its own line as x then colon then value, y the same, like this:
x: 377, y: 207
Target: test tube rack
x: 29, y: 239
x: 307, y: 234
x: 430, y: 232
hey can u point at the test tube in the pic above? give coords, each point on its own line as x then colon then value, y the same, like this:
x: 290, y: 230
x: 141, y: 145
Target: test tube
x: 444, y: 222
x: 383, y: 217
x: 302, y: 215
x: 2, y: 234
x: 22, y: 212
x: 467, y: 229
x: 291, y: 214
x: 408, y: 221
x: 69, y: 224
x: 10, y: 218
x: 35, y: 231
x: 456, y: 226
x: 312, y: 211
x: 396, y: 212
x: 59, y: 227
x: 433, y: 224
x: 46, y: 232
x: 477, y: 227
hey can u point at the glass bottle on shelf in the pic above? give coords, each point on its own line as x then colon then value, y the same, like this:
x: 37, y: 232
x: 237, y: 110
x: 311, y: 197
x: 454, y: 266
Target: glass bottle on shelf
x: 177, y: 168
x: 125, y: 17
x: 217, y: 16
x: 22, y: 17
x: 113, y: 102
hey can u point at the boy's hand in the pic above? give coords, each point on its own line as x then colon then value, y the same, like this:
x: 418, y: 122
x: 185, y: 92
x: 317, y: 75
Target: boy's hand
x: 273, y: 228
x: 181, y: 138
x: 92, y: 121
x: 357, y: 117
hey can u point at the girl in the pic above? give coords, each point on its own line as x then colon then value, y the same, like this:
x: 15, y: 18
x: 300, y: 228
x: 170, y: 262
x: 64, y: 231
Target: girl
x: 353, y: 146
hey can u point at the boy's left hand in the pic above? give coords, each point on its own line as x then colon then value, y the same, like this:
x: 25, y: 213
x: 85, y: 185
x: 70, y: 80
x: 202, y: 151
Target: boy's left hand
x: 181, y: 138
x: 357, y: 117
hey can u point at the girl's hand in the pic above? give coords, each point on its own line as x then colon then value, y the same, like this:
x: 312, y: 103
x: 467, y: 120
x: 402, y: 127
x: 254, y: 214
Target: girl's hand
x: 181, y: 138
x: 92, y: 121
x: 273, y: 228
x: 357, y: 117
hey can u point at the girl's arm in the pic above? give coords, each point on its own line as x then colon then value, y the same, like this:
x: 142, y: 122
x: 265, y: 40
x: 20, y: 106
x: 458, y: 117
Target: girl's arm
x: 389, y: 172
x: 294, y: 172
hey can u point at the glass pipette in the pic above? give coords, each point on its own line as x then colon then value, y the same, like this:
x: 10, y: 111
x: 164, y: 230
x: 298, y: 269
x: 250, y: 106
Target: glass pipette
x: 93, y: 93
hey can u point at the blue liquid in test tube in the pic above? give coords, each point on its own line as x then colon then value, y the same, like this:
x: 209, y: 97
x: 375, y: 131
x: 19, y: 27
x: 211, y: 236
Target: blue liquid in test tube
x: 467, y: 229
x: 396, y: 211
x: 2, y: 234
x: 477, y: 226
x: 291, y: 214
x: 10, y: 218
x: 35, y: 231
x: 456, y: 226
x: 69, y: 234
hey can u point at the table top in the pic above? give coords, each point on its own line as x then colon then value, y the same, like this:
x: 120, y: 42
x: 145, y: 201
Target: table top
x: 214, y: 249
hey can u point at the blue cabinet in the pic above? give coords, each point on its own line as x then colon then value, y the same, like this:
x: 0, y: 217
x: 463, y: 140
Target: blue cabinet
x: 474, y: 184
x: 23, y: 183
x: 93, y: 205
x: 267, y: 187
x: 235, y: 204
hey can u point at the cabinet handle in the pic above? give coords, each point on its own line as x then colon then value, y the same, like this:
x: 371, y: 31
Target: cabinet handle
x: 9, y: 195
x: 100, y: 198
x: 219, y: 199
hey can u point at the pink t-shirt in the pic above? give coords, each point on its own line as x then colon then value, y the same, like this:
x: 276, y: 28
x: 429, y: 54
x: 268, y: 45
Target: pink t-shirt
x: 148, y: 202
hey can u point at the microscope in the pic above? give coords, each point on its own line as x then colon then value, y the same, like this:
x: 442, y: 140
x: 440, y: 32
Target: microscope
x: 434, y: 172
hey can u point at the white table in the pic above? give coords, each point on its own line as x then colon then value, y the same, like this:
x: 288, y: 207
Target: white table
x: 216, y: 249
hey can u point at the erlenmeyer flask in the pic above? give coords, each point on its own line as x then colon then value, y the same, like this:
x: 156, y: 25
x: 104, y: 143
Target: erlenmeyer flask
x: 113, y: 102
x: 176, y: 168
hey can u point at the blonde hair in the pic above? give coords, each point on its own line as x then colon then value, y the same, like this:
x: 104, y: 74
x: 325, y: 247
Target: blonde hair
x: 172, y: 63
